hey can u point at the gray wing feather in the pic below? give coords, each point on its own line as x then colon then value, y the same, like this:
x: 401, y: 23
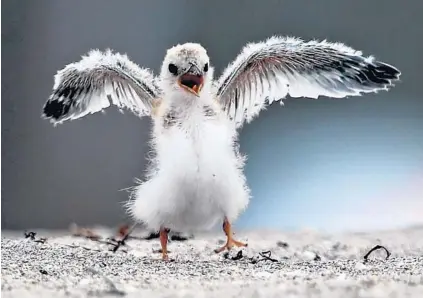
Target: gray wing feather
x: 98, y: 80
x: 268, y: 71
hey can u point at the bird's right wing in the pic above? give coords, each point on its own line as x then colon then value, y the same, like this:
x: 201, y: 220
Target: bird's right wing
x: 268, y: 71
x: 98, y: 80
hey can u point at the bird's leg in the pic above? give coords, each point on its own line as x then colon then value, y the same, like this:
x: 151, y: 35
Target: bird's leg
x: 230, y: 242
x: 163, y: 241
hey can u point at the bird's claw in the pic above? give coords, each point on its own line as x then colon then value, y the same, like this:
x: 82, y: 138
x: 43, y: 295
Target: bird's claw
x: 165, y: 257
x: 229, y: 244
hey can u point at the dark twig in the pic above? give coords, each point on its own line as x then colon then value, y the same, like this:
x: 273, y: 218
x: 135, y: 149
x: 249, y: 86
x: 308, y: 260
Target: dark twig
x: 118, y: 243
x: 266, y: 255
x: 366, y: 256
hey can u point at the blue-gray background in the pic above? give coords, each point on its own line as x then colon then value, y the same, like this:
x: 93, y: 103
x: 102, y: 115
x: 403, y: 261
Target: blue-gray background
x: 329, y: 164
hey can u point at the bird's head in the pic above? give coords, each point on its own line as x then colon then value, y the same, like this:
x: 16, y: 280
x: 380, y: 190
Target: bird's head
x: 186, y: 68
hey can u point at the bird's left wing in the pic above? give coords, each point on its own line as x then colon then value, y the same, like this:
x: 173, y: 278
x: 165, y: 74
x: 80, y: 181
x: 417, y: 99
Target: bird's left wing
x: 268, y: 71
x: 98, y: 80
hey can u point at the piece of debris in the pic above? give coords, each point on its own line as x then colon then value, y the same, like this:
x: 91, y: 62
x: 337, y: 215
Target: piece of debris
x: 118, y: 243
x: 282, y: 244
x: 366, y: 256
x: 336, y: 246
x: 172, y: 237
x: 311, y: 256
x: 266, y: 255
x: 41, y: 240
x: 179, y: 237
x: 31, y: 236
x: 153, y: 235
x: 42, y: 271
x: 237, y: 257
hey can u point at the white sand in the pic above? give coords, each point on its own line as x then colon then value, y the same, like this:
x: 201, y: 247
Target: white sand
x: 84, y: 268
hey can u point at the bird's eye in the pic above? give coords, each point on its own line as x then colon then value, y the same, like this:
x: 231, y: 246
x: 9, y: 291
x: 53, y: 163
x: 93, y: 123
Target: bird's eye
x: 173, y: 69
x: 206, y: 67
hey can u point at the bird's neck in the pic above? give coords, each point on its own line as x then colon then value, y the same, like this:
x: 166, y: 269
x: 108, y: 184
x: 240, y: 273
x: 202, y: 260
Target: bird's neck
x: 187, y: 102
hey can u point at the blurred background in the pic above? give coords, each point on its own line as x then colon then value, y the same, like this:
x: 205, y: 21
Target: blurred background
x: 324, y: 164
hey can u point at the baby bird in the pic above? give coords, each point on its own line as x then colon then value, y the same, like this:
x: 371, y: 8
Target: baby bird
x: 195, y: 179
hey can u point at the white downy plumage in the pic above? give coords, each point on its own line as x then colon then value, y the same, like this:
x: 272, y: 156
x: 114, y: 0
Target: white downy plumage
x: 195, y: 178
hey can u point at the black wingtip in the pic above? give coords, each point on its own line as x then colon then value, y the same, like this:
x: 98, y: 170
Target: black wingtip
x: 387, y: 71
x: 54, y: 109
x: 379, y: 74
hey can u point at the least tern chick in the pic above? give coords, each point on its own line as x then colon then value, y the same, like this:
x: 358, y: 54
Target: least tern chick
x: 195, y: 180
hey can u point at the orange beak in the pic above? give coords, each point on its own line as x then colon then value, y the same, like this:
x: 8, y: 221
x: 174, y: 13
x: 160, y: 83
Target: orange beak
x: 191, y: 83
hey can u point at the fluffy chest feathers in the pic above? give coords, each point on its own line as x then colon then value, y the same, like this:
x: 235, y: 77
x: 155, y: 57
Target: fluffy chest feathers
x: 197, y: 138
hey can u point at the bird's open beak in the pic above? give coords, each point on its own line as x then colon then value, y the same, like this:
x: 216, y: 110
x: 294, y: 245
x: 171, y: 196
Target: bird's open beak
x: 191, y: 82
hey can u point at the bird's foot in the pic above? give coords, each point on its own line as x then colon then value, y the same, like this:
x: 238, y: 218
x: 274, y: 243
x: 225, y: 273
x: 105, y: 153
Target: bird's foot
x: 163, y: 241
x: 229, y: 244
x: 165, y: 255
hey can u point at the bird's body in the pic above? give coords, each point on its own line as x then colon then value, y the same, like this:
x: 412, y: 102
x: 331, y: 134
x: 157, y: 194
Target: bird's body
x: 195, y: 177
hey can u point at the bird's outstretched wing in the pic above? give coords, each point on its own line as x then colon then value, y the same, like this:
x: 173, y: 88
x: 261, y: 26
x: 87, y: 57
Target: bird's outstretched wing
x: 268, y: 71
x: 98, y: 79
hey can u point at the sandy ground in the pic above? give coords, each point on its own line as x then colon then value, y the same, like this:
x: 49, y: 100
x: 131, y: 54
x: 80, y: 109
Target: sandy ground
x: 307, y: 264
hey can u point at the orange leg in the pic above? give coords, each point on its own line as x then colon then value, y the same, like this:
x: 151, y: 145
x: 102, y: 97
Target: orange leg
x: 230, y: 242
x: 163, y: 241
